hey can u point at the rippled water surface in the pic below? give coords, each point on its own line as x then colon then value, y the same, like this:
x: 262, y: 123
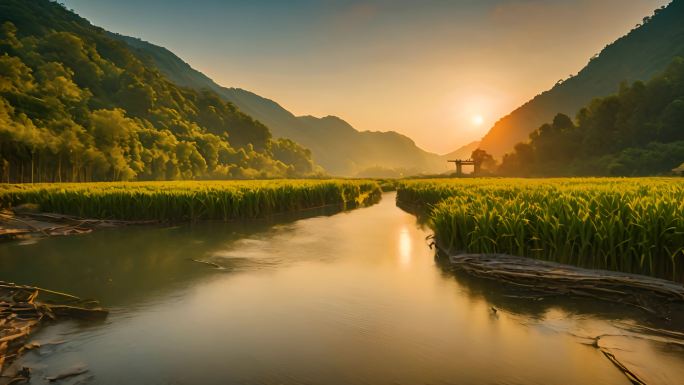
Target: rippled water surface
x: 347, y: 298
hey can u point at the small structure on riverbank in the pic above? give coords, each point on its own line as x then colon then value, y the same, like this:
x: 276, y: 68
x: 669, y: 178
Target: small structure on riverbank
x: 466, y: 162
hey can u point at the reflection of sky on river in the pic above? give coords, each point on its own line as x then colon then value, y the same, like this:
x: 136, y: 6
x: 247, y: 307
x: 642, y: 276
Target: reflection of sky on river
x: 355, y: 298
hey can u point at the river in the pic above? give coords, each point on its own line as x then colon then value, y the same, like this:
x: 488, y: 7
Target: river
x: 353, y: 297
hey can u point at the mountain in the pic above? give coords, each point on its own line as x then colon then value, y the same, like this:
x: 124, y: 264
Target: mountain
x: 77, y: 105
x: 346, y: 151
x: 638, y: 131
x: 281, y: 122
x: 335, y: 145
x: 639, y: 55
x: 463, y: 152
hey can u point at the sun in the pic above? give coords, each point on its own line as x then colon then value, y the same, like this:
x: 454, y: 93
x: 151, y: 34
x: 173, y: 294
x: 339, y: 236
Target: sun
x: 477, y: 120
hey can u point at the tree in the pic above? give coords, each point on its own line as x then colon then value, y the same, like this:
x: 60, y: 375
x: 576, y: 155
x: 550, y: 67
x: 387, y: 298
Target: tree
x: 634, y: 132
x: 485, y: 160
x: 76, y: 105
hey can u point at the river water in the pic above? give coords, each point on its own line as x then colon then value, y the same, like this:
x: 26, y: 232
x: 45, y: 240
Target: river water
x: 353, y: 297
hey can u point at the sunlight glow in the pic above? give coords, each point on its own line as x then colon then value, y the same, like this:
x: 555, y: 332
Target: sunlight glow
x: 405, y: 247
x: 477, y: 120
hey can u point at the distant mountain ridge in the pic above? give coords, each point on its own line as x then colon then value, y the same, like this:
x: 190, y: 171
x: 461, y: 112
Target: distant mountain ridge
x: 639, y: 55
x: 463, y: 152
x: 334, y: 143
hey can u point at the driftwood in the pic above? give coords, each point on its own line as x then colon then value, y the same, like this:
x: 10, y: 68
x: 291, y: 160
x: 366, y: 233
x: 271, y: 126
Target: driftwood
x: 626, y: 358
x: 631, y: 376
x: 21, y: 313
x: 24, y: 224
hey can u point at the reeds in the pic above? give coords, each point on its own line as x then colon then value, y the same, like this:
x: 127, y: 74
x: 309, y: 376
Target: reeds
x: 189, y: 200
x: 631, y: 225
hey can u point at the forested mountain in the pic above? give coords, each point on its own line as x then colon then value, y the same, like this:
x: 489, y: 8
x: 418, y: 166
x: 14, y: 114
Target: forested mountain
x: 639, y: 55
x: 335, y: 145
x: 77, y: 105
x: 638, y: 131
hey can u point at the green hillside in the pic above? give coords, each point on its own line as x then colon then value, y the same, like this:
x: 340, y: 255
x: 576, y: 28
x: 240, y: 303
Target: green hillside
x: 77, y: 105
x: 639, y: 55
x: 335, y: 145
x: 638, y: 131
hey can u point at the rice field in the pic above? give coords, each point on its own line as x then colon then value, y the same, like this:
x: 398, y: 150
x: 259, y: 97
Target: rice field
x: 189, y: 200
x: 631, y: 225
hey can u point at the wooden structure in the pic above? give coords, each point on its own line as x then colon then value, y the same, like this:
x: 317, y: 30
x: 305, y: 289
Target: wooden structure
x: 465, y: 162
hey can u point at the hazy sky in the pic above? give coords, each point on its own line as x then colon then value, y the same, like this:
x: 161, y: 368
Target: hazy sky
x: 427, y: 69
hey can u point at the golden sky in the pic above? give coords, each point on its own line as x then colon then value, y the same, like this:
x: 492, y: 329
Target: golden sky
x: 427, y: 69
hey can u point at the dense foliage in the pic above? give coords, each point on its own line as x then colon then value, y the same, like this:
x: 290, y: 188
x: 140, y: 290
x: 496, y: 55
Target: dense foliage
x: 335, y: 144
x: 76, y: 105
x: 189, y: 200
x: 639, y: 55
x: 638, y: 131
x: 631, y: 225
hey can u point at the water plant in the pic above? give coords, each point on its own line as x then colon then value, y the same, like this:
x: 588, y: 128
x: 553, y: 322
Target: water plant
x: 631, y: 225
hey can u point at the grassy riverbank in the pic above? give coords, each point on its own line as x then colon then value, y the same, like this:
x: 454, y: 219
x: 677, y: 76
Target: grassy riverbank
x: 189, y: 200
x: 632, y: 225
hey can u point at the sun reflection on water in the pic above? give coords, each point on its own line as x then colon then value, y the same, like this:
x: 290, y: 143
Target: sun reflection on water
x: 405, y: 247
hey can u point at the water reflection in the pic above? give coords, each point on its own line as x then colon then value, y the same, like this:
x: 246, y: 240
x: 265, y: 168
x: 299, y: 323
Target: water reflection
x: 354, y: 298
x: 405, y: 247
x: 537, y: 306
x: 126, y: 265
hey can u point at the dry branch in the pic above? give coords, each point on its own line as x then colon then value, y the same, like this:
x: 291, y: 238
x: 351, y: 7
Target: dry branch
x: 22, y: 312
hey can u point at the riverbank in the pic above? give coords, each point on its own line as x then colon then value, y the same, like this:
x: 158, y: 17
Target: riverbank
x: 348, y: 298
x: 632, y: 225
x: 534, y: 285
x: 25, y: 222
x: 189, y: 200
x: 46, y: 210
x: 661, y: 300
x: 596, y: 223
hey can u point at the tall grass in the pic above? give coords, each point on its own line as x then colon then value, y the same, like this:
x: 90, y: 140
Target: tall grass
x: 631, y: 225
x: 189, y: 200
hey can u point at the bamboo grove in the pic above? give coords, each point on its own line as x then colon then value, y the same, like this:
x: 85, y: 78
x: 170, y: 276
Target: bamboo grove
x: 630, y: 225
x: 189, y: 200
